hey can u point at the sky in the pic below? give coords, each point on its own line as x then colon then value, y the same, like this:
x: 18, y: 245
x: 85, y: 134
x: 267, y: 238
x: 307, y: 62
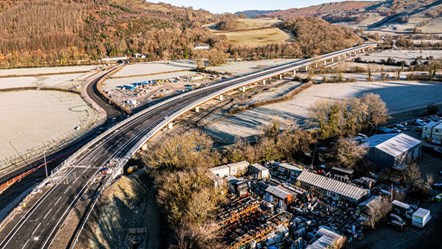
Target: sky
x: 221, y: 6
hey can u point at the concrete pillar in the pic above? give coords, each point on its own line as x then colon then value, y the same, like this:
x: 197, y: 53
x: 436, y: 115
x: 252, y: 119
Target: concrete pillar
x: 325, y: 63
x: 221, y: 97
x: 263, y: 82
x: 332, y: 60
x: 306, y: 68
x: 243, y: 89
x: 294, y: 72
x: 170, y: 125
x: 197, y: 109
x: 280, y: 76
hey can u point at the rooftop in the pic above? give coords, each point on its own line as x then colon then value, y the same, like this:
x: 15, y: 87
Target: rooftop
x: 259, y: 167
x: 332, y: 185
x: 326, y: 240
x: 278, y: 192
x: 392, y: 144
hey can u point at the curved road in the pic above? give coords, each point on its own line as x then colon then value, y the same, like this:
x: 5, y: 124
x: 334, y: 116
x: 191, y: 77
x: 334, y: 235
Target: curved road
x: 38, y: 226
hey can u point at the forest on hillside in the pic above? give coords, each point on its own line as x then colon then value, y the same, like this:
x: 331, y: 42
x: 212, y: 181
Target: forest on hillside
x: 69, y: 32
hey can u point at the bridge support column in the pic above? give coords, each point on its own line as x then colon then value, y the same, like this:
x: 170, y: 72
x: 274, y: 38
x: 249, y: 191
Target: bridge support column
x: 332, y: 60
x: 170, y: 125
x: 263, y: 82
x: 294, y: 72
x: 280, y: 76
x: 197, y: 109
x: 325, y: 63
x: 221, y: 97
x: 306, y: 68
x: 243, y: 89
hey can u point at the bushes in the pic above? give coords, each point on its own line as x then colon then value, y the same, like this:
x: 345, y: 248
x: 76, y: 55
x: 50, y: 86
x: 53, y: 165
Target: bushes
x: 348, y: 117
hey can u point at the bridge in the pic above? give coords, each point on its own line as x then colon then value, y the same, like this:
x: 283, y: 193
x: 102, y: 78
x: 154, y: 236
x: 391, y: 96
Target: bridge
x: 37, y: 225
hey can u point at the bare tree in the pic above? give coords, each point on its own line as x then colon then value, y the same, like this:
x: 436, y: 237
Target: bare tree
x: 378, y: 209
x: 348, y: 152
x: 377, y: 111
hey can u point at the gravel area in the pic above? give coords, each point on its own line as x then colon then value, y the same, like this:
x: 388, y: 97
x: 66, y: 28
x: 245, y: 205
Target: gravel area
x: 44, y: 70
x: 153, y: 68
x: 30, y: 118
x: 111, y: 84
x: 243, y: 67
x: 399, y: 96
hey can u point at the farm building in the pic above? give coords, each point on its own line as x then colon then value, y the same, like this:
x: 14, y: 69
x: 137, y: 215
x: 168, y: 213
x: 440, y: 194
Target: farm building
x: 331, y: 187
x: 427, y: 130
x: 392, y: 150
x: 259, y: 172
x: 288, y: 171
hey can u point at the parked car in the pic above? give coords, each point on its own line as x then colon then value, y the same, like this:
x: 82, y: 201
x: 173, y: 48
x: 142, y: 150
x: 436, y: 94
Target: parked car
x: 401, y: 127
x: 437, y: 185
x: 420, y: 122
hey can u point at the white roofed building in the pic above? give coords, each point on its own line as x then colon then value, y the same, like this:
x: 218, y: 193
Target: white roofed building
x: 393, y: 150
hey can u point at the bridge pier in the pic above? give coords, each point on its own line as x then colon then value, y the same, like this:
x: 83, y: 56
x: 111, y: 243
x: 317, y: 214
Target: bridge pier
x: 263, y: 82
x: 221, y: 97
x: 306, y: 68
x: 243, y: 89
x: 294, y: 72
x: 197, y: 109
x: 332, y: 60
x: 280, y: 76
x: 325, y: 63
x: 170, y: 126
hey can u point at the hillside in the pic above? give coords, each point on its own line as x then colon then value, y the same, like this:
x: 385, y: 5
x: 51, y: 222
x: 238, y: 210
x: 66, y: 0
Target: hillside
x: 319, y: 10
x: 254, y: 13
x: 389, y: 15
x: 63, y: 32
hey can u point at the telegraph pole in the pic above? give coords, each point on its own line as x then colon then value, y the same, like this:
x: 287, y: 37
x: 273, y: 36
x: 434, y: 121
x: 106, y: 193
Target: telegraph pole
x: 46, y: 165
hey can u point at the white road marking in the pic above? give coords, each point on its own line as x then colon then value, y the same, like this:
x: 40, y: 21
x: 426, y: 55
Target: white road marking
x: 25, y: 244
x: 47, y: 214
x: 67, y: 189
x: 58, y: 200
x: 36, y: 228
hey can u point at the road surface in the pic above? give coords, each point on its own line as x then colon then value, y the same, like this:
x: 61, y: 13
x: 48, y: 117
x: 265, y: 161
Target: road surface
x: 38, y: 226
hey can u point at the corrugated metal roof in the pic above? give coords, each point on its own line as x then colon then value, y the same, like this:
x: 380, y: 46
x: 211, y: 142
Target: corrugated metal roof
x: 278, y: 192
x: 332, y: 185
x: 398, y: 144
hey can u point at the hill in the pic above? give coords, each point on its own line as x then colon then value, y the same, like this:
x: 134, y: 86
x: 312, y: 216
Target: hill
x: 254, y: 13
x: 322, y: 9
x: 389, y: 15
x: 63, y: 32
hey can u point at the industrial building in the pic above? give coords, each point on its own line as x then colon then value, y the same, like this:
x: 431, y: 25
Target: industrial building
x: 331, y: 187
x: 392, y: 150
x: 326, y: 239
x: 259, y: 172
x: 219, y: 173
x: 427, y: 130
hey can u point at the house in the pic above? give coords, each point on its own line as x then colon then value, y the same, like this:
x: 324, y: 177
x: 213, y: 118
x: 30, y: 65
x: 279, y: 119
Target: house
x: 331, y: 187
x: 437, y: 134
x: 201, y: 46
x: 427, y: 130
x: 259, y: 172
x: 326, y: 239
x: 239, y: 187
x: 393, y: 150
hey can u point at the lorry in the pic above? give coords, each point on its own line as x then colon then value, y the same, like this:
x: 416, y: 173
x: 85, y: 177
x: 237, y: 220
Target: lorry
x: 421, y: 217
